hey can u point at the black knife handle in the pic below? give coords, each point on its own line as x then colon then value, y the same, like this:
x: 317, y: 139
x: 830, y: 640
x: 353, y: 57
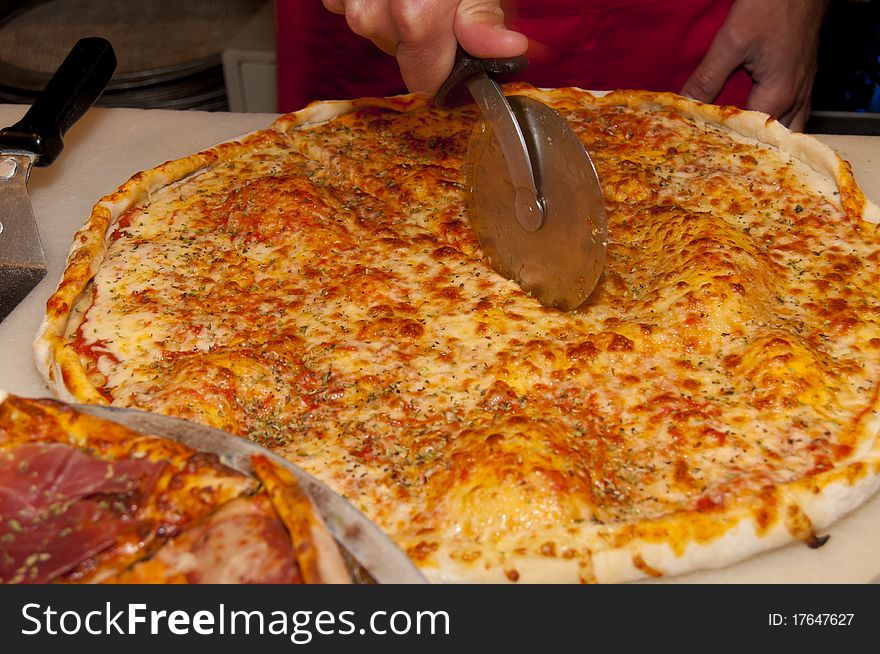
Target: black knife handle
x: 453, y: 92
x: 73, y: 89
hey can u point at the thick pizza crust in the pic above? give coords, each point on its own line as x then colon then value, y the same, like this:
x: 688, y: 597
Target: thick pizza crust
x: 621, y: 552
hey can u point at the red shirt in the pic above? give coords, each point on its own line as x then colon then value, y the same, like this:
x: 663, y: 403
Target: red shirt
x: 594, y: 44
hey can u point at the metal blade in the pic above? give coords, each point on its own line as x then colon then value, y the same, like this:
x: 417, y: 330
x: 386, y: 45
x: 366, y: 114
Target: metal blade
x: 498, y: 114
x: 361, y: 539
x: 22, y: 262
x: 561, y: 261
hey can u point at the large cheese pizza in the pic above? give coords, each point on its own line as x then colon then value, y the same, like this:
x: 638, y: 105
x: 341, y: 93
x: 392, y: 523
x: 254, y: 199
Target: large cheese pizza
x: 316, y: 287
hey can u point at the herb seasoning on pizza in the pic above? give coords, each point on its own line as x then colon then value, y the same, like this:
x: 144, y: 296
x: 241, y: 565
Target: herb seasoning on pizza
x: 316, y: 287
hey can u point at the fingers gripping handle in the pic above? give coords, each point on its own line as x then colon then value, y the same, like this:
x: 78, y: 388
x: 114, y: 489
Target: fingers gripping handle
x: 73, y: 89
x: 454, y: 92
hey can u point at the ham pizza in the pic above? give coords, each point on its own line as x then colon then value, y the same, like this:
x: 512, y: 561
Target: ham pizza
x: 86, y: 500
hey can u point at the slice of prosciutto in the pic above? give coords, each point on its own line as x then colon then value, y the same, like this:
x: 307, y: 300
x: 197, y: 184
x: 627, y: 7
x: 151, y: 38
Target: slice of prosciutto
x: 60, y: 506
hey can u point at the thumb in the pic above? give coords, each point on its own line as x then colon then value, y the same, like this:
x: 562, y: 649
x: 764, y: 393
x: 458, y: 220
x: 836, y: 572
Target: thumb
x: 722, y: 58
x: 479, y: 28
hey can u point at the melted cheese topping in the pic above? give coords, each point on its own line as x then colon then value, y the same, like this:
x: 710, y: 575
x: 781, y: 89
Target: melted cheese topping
x: 324, y: 295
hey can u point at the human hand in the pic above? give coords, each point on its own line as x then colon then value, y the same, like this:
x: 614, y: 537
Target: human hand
x: 776, y: 42
x: 422, y: 34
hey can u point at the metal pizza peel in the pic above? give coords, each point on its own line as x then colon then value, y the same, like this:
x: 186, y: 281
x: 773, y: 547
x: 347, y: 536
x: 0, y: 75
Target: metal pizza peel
x: 371, y: 556
x: 36, y: 141
x: 534, y: 198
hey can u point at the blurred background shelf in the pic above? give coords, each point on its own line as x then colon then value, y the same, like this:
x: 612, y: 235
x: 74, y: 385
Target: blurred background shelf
x: 844, y: 122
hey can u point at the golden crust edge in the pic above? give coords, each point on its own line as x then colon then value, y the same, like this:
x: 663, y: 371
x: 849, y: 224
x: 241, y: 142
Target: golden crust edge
x: 648, y: 554
x: 63, y: 372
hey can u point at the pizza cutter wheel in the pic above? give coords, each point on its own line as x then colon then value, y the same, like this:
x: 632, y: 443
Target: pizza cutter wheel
x: 534, y: 198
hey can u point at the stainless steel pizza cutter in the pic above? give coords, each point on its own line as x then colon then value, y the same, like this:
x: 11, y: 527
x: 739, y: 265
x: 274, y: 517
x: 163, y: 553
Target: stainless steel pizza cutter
x: 534, y: 198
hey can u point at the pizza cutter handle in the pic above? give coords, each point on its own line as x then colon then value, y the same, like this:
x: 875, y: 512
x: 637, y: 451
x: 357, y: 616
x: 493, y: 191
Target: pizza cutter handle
x: 454, y: 92
x: 73, y: 89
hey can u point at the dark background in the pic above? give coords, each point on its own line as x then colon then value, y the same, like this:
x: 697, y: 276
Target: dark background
x: 848, y: 78
x: 849, y: 58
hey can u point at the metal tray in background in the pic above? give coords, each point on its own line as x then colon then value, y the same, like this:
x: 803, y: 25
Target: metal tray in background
x: 371, y: 556
x: 170, y: 53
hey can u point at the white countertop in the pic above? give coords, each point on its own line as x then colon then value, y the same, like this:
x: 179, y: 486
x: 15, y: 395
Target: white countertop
x: 109, y: 145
